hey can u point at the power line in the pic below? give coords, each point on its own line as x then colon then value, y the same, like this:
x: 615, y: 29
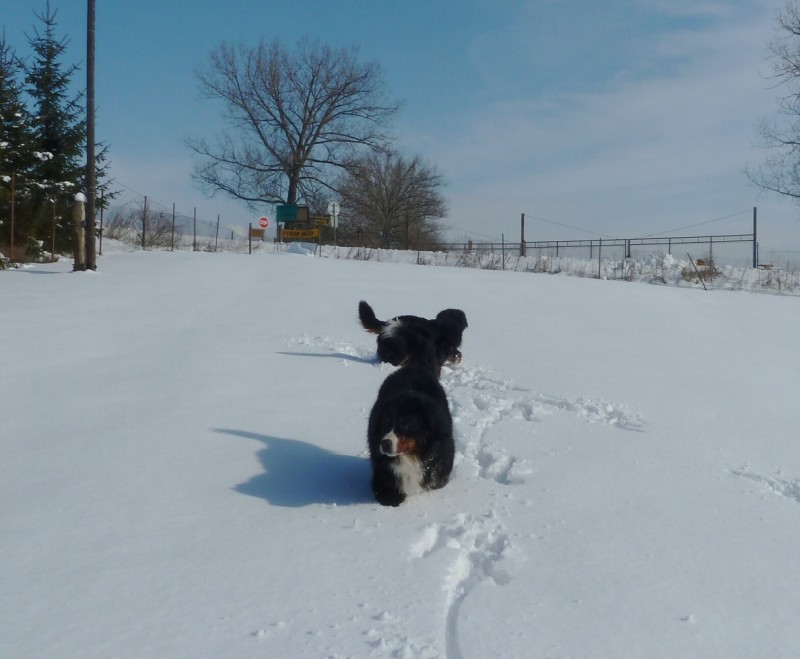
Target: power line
x: 699, y: 224
x: 566, y: 226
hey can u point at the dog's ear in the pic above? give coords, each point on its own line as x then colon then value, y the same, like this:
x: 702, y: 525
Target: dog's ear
x: 454, y: 317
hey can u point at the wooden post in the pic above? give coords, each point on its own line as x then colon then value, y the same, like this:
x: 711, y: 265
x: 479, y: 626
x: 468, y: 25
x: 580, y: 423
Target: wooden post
x: 522, y: 235
x: 250, y: 238
x: 172, y: 242
x: 53, y: 234
x: 194, y: 230
x: 755, y: 237
x: 144, y: 223
x: 11, y: 246
x: 216, y: 238
x: 78, y: 243
x: 102, y: 208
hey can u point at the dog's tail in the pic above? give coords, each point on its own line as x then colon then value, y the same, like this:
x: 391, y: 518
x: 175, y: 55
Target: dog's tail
x: 368, y: 320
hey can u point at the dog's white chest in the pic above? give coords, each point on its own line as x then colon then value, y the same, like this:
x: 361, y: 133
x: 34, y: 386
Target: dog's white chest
x: 409, y: 473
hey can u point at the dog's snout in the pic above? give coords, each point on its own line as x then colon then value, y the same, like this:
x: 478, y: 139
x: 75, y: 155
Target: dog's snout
x: 387, y: 446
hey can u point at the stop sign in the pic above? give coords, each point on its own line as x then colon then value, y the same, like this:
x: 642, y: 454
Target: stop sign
x: 263, y: 222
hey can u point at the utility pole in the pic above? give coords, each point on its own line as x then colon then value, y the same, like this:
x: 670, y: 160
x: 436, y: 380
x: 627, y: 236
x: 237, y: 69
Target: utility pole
x: 91, y: 257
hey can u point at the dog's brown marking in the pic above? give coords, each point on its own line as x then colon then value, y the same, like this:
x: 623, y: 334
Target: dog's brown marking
x: 406, y: 445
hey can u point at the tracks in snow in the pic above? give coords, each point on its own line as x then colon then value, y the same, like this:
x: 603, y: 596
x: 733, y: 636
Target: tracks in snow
x: 479, y: 544
x: 782, y: 487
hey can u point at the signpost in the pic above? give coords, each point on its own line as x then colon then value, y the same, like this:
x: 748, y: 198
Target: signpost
x: 333, y: 212
x: 256, y: 233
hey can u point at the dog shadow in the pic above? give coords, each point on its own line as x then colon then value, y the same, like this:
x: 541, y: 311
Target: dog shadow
x: 298, y: 474
x: 335, y: 355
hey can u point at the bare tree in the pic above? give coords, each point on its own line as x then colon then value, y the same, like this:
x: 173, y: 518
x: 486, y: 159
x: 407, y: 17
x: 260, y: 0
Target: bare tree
x: 781, y: 170
x: 391, y: 201
x: 294, y: 119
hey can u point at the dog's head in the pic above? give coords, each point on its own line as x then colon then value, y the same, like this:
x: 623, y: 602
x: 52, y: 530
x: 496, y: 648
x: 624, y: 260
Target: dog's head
x: 415, y: 346
x: 411, y: 430
x: 451, y: 324
x: 454, y: 318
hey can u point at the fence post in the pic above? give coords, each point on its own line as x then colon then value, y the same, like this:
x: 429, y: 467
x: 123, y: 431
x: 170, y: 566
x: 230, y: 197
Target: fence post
x: 53, y: 233
x: 522, y: 236
x: 755, y: 239
x: 172, y: 241
x: 144, y: 222
x: 599, y: 257
x: 13, y: 204
x: 102, y: 208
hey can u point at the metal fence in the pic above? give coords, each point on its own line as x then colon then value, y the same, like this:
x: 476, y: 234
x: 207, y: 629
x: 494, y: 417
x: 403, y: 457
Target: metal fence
x: 594, y: 247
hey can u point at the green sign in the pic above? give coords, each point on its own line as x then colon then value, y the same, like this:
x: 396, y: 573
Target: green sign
x: 291, y: 213
x: 286, y: 213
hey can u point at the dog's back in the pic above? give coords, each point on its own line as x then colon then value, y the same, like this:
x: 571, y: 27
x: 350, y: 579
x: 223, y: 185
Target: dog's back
x: 410, y: 432
x: 444, y: 333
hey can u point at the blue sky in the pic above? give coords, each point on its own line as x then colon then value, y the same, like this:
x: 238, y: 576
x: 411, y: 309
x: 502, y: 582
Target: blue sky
x: 623, y: 118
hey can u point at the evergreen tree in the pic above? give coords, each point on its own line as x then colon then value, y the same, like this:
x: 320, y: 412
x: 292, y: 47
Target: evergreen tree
x: 15, y: 142
x: 59, y: 132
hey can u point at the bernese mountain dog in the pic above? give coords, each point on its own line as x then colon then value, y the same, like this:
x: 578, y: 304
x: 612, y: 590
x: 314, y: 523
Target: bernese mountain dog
x: 410, y: 430
x: 444, y: 333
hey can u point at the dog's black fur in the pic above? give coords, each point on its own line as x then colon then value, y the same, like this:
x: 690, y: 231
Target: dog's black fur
x: 410, y: 431
x: 444, y: 333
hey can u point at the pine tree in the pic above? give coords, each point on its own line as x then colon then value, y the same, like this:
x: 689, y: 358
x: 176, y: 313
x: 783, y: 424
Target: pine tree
x: 59, y: 132
x: 15, y: 143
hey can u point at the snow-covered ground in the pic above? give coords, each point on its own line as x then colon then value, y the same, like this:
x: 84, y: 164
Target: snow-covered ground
x: 183, y: 468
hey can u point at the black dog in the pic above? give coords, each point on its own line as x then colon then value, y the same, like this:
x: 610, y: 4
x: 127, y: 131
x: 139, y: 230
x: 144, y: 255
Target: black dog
x: 444, y: 333
x: 410, y: 432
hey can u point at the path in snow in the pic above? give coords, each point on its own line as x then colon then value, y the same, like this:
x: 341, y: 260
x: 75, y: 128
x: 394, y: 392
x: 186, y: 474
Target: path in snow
x: 480, y: 544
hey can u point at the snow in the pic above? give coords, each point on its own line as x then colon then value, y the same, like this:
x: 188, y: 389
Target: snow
x: 184, y: 467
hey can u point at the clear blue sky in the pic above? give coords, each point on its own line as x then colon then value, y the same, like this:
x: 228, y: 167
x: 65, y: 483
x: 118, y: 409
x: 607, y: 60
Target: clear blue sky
x: 621, y: 118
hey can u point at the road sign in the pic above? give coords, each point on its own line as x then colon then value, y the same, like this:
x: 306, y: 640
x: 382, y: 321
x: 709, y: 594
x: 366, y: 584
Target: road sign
x: 333, y: 208
x: 263, y: 222
x: 299, y: 233
x: 321, y: 220
x: 284, y: 213
x: 291, y: 213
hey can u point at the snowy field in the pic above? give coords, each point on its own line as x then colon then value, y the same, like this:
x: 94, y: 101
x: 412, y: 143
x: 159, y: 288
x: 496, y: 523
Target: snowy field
x: 184, y: 474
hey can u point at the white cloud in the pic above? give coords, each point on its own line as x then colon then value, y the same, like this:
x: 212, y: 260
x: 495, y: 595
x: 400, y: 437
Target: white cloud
x: 639, y: 153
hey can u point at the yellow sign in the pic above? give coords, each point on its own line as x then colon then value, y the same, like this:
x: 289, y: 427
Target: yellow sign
x: 300, y: 233
x: 321, y: 220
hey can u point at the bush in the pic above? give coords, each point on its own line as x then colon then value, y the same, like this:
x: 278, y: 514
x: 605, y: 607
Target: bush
x: 705, y: 268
